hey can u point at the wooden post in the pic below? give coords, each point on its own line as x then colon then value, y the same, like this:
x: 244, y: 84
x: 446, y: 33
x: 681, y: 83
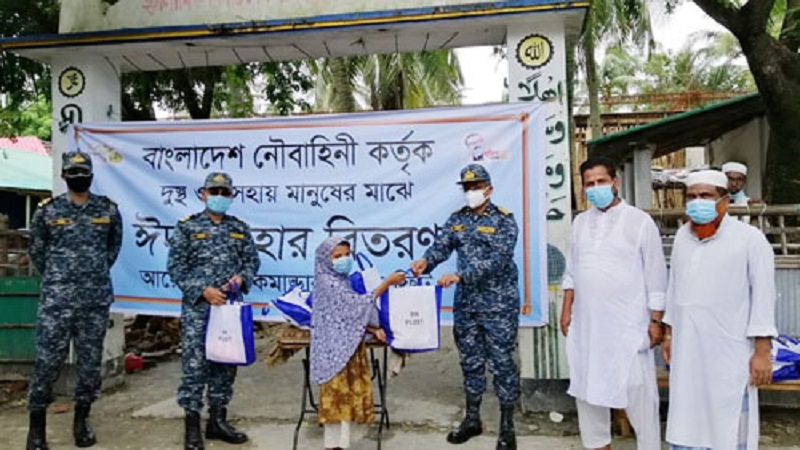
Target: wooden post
x: 4, y: 245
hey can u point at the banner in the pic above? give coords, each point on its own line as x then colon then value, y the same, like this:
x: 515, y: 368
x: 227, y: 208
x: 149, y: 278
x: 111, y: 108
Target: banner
x: 386, y: 181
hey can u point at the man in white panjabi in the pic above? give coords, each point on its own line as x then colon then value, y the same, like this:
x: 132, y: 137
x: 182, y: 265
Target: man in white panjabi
x: 614, y: 294
x: 721, y: 317
x: 737, y: 181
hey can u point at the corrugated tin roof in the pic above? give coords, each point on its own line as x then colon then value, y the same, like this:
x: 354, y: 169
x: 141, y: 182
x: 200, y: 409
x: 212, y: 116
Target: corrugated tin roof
x: 29, y: 143
x: 22, y: 170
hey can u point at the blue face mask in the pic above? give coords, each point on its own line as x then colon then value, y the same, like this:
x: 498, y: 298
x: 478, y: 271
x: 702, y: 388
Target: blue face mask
x: 218, y: 204
x: 600, y: 196
x: 702, y: 211
x: 737, y: 196
x: 343, y: 264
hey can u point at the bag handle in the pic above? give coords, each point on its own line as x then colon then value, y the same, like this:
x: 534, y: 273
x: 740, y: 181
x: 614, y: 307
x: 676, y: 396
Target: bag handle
x: 412, y: 277
x: 361, y: 256
x: 234, y: 294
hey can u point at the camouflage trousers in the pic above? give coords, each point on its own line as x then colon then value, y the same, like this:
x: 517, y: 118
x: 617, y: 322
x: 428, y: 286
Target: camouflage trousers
x: 57, y: 325
x: 197, y: 372
x: 488, y: 337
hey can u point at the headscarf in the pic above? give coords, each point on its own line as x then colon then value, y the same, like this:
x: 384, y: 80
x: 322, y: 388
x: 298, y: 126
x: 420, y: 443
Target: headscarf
x: 339, y: 317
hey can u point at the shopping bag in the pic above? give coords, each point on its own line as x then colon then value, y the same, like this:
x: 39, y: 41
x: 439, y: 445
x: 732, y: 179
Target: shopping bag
x: 785, y: 349
x: 295, y: 305
x: 229, y: 332
x: 410, y: 317
x: 366, y: 278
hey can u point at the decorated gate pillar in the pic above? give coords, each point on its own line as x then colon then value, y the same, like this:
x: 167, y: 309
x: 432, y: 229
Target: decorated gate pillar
x: 85, y: 89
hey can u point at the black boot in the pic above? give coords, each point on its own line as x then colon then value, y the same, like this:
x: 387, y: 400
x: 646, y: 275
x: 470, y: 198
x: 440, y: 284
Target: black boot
x: 192, y: 440
x: 84, y: 436
x: 506, y: 438
x: 37, y: 430
x: 219, y: 428
x: 471, y: 426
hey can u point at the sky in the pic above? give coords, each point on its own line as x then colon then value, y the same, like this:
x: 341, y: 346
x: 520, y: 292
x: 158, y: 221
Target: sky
x: 483, y: 82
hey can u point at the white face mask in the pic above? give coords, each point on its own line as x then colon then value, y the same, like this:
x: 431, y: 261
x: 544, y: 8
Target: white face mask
x: 475, y: 198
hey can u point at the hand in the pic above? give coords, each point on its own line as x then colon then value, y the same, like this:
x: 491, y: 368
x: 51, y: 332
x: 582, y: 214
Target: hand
x: 419, y: 266
x: 237, y: 279
x: 666, y: 348
x: 214, y: 296
x: 396, y: 278
x: 566, y: 320
x: 379, y: 334
x: 760, y: 369
x: 656, y: 333
x: 448, y: 280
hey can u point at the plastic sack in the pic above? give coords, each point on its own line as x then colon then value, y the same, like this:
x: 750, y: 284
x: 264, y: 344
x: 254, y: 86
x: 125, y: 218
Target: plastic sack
x: 410, y: 316
x: 295, y: 305
x: 229, y: 332
x: 366, y: 278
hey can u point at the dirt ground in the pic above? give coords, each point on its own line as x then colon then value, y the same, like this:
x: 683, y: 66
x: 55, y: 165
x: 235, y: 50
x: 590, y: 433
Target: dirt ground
x: 425, y: 400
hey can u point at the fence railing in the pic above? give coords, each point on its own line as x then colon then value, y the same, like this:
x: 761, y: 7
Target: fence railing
x: 779, y: 223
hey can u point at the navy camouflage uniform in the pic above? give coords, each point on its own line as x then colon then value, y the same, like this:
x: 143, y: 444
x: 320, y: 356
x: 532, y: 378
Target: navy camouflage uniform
x: 73, y: 248
x: 487, y: 300
x: 203, y: 253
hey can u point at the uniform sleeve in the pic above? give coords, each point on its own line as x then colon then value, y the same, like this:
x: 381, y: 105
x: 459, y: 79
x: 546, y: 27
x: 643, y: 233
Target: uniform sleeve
x: 569, y: 282
x: 250, y: 260
x: 502, y: 253
x: 443, y: 245
x: 180, y: 269
x: 761, y: 273
x: 114, y: 235
x: 655, y: 266
x: 39, y: 240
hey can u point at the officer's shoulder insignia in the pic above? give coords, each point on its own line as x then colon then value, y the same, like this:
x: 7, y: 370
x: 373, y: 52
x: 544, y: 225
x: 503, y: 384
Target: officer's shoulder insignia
x: 487, y: 230
x: 458, y: 228
x: 199, y: 236
x: 45, y: 202
x: 503, y: 210
x: 235, y: 235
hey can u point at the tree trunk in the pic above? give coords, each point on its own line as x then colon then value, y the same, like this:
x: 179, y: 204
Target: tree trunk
x: 343, y: 99
x: 776, y: 73
x: 592, y: 82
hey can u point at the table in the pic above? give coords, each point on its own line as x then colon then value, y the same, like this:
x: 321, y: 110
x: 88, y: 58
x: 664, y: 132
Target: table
x: 378, y: 366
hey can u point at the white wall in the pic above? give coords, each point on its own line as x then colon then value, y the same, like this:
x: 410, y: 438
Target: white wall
x: 747, y: 145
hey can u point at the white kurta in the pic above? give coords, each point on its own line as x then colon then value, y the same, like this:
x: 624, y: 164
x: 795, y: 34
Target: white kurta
x: 616, y: 267
x: 721, y: 294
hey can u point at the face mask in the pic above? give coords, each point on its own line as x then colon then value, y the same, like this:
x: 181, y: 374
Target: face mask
x: 737, y: 196
x: 79, y: 184
x: 702, y: 211
x: 475, y: 198
x: 600, y: 196
x: 343, y: 264
x: 218, y: 204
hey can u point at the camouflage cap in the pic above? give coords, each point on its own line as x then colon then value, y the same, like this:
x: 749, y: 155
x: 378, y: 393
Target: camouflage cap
x: 218, y: 179
x: 76, y: 160
x: 474, y: 172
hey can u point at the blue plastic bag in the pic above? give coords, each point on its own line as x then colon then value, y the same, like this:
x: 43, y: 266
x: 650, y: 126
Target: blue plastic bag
x: 295, y: 305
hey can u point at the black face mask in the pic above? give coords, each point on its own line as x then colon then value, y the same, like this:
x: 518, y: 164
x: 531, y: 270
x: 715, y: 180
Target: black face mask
x: 79, y: 184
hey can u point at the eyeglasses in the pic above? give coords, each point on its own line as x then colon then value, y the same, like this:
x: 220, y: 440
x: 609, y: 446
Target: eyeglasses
x: 225, y: 192
x: 77, y: 172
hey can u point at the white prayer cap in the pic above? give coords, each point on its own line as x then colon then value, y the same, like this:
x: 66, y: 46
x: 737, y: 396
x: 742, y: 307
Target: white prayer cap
x: 712, y: 177
x: 734, y: 167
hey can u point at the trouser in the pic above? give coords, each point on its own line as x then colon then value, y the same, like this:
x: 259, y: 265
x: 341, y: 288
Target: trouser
x: 488, y: 337
x: 337, y: 435
x: 57, y: 325
x: 744, y: 423
x: 642, y: 410
x: 197, y: 372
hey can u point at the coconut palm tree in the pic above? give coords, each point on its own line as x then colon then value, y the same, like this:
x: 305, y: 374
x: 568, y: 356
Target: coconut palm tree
x: 388, y: 82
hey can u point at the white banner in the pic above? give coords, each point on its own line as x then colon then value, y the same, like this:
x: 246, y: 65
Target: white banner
x: 384, y: 180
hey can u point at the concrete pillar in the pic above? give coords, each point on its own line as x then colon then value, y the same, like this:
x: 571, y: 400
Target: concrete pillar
x: 627, y: 182
x: 642, y: 178
x: 86, y: 89
x: 538, y: 64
